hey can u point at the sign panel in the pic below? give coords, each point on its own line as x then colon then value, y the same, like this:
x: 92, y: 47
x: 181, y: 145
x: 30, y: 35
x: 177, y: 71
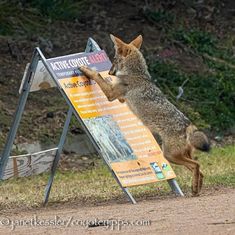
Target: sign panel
x: 126, y: 144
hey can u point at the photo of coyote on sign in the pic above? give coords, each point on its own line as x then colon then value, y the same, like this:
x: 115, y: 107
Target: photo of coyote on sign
x: 179, y: 136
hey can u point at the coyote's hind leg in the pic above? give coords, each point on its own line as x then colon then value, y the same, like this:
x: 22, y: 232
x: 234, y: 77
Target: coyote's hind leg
x: 193, y: 166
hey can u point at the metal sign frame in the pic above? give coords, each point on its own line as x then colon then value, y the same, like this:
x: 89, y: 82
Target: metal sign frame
x: 91, y: 46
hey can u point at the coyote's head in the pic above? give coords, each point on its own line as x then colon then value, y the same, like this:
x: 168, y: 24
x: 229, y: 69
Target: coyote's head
x: 128, y: 59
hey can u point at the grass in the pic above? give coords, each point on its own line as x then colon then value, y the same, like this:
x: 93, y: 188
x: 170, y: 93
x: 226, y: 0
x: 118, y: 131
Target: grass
x: 97, y: 184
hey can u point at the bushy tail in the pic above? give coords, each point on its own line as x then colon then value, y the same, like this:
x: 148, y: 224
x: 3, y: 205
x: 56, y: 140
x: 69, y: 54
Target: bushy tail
x: 198, y: 139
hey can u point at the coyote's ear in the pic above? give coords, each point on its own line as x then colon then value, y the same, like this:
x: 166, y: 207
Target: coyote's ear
x: 117, y: 42
x: 137, y: 42
x: 121, y: 47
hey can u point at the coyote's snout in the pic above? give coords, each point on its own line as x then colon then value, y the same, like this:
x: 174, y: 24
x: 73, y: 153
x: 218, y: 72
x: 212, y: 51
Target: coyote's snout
x: 179, y: 136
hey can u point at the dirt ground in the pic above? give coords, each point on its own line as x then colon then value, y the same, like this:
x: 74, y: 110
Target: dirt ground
x: 211, y: 213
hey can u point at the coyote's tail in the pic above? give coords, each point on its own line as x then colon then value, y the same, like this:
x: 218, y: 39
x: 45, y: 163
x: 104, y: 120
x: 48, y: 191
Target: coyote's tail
x: 198, y: 139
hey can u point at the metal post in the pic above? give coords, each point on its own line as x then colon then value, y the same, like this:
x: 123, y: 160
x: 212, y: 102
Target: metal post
x: 124, y: 189
x: 175, y: 187
x: 18, y: 113
x: 57, y: 156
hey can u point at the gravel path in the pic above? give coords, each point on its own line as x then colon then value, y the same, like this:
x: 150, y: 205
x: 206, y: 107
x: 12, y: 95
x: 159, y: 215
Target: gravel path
x: 211, y: 213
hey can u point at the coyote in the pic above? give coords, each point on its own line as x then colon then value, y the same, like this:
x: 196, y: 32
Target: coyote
x: 179, y: 136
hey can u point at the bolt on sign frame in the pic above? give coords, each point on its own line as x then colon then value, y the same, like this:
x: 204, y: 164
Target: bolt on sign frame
x: 38, y: 57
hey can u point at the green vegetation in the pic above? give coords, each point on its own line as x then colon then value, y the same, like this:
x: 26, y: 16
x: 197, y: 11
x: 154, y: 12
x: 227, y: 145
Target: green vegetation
x: 209, y: 96
x: 31, y: 17
x: 208, y: 99
x: 14, y: 19
x: 97, y: 184
x: 59, y: 9
x: 160, y: 17
x: 198, y: 40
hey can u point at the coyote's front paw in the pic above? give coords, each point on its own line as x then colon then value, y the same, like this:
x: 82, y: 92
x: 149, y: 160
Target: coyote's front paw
x: 88, y: 72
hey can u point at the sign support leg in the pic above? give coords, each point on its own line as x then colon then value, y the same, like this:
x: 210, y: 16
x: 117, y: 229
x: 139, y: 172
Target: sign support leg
x: 18, y: 114
x: 129, y: 195
x: 175, y: 187
x: 124, y: 189
x: 57, y: 156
